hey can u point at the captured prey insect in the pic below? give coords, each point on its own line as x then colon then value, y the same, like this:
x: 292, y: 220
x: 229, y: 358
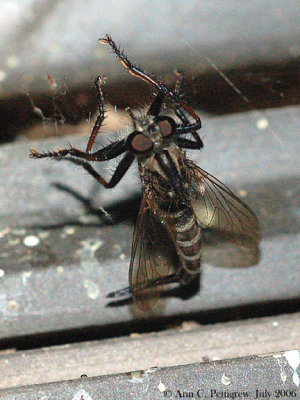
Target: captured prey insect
x: 179, y: 199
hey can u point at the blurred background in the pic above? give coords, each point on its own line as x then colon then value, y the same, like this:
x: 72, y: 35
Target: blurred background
x: 50, y: 56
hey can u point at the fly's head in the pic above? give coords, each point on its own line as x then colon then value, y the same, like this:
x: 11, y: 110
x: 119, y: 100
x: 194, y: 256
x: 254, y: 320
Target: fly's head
x: 160, y: 159
x: 151, y: 136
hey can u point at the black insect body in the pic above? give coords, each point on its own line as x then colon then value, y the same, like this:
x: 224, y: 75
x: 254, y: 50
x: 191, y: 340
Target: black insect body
x: 179, y: 198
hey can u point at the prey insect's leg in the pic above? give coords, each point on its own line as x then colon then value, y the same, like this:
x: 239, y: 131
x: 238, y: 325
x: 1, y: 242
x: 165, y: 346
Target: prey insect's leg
x: 120, y: 171
x: 100, y: 117
x: 107, y: 153
x: 173, y: 278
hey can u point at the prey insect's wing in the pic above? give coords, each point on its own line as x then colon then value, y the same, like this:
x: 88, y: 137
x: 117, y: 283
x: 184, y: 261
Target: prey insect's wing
x: 153, y: 257
x: 220, y: 210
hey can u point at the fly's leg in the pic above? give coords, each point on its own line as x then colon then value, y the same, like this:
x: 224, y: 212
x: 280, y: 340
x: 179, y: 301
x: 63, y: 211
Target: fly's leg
x: 74, y: 155
x: 156, y: 104
x: 135, y: 71
x: 100, y: 117
x: 107, y: 153
x: 189, y: 144
x: 173, y: 278
x: 184, y: 143
x: 118, y: 174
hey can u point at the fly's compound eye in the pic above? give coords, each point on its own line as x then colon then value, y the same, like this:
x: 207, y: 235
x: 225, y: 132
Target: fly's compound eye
x: 167, y: 126
x: 139, y: 143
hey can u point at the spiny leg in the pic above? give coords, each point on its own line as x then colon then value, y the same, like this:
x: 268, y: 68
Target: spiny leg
x: 181, y: 108
x: 187, y: 128
x: 100, y: 117
x: 118, y: 174
x: 178, y: 84
x: 135, y: 71
x: 107, y: 153
x: 111, y: 151
x: 185, y: 143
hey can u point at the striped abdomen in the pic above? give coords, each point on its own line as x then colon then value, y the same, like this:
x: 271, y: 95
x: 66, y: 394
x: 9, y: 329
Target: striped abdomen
x: 188, y: 239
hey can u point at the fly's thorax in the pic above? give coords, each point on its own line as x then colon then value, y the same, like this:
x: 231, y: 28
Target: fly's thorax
x: 167, y: 175
x: 161, y: 161
x: 152, y: 163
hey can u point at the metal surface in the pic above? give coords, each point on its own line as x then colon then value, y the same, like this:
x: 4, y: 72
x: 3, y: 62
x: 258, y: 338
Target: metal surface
x: 272, y: 376
x: 61, y: 282
x: 189, y: 343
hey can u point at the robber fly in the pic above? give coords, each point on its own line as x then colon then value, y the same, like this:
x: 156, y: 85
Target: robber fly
x: 179, y: 198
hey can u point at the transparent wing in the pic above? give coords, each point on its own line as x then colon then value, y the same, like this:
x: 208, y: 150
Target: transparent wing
x: 153, y: 257
x: 218, y: 209
x: 221, y: 252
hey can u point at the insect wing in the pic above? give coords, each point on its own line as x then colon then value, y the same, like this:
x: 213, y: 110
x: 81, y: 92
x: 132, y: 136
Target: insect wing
x: 218, y: 209
x: 153, y: 257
